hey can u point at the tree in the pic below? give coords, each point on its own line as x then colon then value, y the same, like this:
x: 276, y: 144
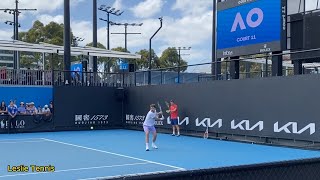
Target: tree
x: 170, y: 58
x: 143, y: 63
x: 99, y: 45
x: 52, y: 34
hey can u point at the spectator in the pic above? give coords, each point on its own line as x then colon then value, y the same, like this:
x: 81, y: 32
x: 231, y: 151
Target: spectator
x: 28, y: 109
x: 3, y: 108
x: 51, y: 107
x: 22, y: 108
x: 39, y: 110
x: 31, y: 110
x: 46, y: 110
x: 12, y: 111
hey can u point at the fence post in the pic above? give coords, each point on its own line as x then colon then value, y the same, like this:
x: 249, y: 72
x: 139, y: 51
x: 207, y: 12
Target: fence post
x: 161, y: 74
x: 135, y: 78
x: 122, y: 78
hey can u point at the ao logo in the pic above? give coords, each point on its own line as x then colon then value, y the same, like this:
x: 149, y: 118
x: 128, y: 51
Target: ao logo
x: 253, y: 24
x: 76, y: 69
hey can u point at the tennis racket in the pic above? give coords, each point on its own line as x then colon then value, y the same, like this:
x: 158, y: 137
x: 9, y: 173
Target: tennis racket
x: 206, y: 133
x: 168, y: 105
x: 160, y: 115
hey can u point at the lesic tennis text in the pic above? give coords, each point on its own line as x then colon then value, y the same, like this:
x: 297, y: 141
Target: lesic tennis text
x: 31, y: 168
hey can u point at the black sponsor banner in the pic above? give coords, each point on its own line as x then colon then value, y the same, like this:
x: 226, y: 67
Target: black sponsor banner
x: 80, y: 107
x: 26, y: 123
x: 278, y: 107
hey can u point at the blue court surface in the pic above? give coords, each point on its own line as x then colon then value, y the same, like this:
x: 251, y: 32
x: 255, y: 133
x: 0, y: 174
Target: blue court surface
x: 110, y: 153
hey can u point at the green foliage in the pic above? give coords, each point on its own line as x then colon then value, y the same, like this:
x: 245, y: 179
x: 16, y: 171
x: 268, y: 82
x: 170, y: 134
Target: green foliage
x: 51, y: 34
x: 99, y: 45
x: 170, y: 58
x: 143, y: 63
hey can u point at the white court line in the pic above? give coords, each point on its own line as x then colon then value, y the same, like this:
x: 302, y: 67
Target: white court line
x: 8, y: 142
x: 121, y: 155
x: 137, y: 174
x: 77, y: 169
x: 25, y: 139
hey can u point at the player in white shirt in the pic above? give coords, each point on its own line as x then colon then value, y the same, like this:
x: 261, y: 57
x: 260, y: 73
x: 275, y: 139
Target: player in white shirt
x: 148, y: 125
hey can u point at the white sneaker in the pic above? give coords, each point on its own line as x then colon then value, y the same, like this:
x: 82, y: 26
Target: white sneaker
x: 147, y: 149
x: 154, y: 146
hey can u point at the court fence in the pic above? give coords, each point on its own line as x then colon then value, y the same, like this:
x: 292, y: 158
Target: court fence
x: 259, y: 66
x: 307, y: 169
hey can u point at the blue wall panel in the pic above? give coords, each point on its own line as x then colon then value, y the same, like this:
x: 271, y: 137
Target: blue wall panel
x: 39, y: 95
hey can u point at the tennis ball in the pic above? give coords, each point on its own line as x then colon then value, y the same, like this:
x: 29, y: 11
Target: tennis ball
x: 91, y: 127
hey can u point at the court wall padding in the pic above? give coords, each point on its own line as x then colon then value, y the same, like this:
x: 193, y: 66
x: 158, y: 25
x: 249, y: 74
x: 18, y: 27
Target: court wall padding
x: 276, y: 107
x: 80, y: 108
x: 26, y: 123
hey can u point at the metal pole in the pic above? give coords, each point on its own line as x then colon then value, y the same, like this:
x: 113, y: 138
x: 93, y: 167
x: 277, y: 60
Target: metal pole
x: 150, y: 54
x: 16, y: 24
x: 125, y: 37
x: 304, y: 24
x: 43, y: 73
x: 179, y: 66
x: 108, y: 34
x: 95, y: 39
x: 67, y: 48
x: 108, y: 40
x: 266, y: 67
x: 16, y: 21
x: 150, y: 57
x: 14, y: 38
x: 214, y: 59
x: 43, y: 59
x: 125, y: 48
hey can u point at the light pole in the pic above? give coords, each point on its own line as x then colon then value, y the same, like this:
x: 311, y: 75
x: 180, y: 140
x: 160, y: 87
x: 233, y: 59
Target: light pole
x: 94, y: 37
x: 15, y: 12
x: 150, y: 54
x: 75, y: 41
x: 125, y: 36
x: 67, y: 42
x: 179, y: 49
x: 11, y: 23
x: 109, y: 10
x: 125, y: 30
x: 215, y: 67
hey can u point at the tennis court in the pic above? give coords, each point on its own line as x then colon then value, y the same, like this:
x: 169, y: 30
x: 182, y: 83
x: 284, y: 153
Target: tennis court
x: 110, y: 153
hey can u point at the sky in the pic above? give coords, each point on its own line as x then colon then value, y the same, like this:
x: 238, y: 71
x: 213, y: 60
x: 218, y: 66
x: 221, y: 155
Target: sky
x: 186, y: 23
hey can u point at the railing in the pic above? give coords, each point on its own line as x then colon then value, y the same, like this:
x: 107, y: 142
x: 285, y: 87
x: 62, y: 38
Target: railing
x: 257, y: 68
x: 57, y: 78
x: 25, y: 77
x: 88, y: 79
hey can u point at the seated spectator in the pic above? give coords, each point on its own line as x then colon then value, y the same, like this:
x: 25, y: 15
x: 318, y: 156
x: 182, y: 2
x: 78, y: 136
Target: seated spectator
x: 39, y: 110
x: 46, y: 110
x: 51, y: 107
x: 12, y: 111
x: 22, y: 109
x: 31, y: 109
x: 3, y: 108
